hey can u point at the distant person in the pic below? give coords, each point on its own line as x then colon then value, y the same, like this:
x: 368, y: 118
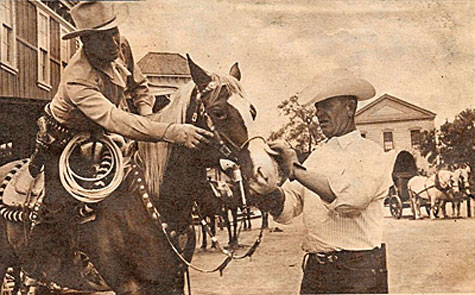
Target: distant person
x: 340, y: 190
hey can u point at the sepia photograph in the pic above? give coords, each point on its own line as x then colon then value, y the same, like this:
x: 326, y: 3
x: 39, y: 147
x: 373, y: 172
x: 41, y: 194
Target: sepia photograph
x: 225, y: 147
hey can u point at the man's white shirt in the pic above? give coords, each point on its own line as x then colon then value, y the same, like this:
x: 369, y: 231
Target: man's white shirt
x: 359, y: 175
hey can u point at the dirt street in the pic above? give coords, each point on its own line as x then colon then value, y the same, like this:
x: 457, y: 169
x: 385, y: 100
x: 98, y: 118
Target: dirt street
x: 424, y: 256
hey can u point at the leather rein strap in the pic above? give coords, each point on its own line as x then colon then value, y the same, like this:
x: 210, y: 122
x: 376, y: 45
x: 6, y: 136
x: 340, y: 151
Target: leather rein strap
x: 220, y: 145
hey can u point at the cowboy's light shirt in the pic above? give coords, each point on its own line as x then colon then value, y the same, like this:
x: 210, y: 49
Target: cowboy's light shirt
x: 95, y: 95
x: 359, y: 175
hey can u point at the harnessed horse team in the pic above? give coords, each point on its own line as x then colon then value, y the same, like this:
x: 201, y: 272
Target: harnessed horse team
x: 438, y: 189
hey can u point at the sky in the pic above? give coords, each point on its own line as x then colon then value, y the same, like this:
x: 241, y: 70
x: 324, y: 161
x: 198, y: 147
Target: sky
x: 419, y: 51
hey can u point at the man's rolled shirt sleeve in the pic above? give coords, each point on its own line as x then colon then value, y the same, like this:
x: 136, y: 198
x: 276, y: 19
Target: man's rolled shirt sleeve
x: 94, y: 105
x: 352, y: 193
x: 293, y: 202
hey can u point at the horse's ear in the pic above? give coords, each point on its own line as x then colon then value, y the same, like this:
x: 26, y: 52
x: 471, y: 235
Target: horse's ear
x: 199, y: 76
x: 235, y: 71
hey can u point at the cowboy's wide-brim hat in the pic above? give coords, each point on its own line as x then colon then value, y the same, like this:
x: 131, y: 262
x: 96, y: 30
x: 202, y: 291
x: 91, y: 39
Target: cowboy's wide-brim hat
x: 359, y: 88
x: 92, y: 16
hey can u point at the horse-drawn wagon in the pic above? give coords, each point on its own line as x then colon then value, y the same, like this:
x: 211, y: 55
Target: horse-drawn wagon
x: 398, y: 196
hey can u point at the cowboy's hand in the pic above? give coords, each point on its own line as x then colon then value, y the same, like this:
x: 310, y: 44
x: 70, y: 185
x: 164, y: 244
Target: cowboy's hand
x: 286, y: 158
x: 187, y: 134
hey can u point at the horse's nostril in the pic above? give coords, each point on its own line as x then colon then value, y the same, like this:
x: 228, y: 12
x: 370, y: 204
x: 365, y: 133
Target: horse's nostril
x: 260, y: 174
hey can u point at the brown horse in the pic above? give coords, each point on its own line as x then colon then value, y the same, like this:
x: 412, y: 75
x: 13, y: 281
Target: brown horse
x: 218, y: 202
x: 141, y: 228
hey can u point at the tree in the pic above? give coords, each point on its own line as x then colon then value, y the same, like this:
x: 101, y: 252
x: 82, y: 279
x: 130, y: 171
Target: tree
x: 454, y: 143
x: 301, y: 131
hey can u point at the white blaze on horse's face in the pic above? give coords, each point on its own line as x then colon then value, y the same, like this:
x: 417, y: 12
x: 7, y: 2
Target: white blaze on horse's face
x: 265, y: 171
x: 244, y: 108
x: 232, y: 115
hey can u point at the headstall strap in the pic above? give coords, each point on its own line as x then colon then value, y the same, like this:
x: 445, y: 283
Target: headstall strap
x: 197, y: 108
x: 200, y: 110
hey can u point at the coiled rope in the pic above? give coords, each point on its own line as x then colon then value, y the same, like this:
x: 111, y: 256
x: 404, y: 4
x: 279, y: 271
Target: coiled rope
x: 69, y: 178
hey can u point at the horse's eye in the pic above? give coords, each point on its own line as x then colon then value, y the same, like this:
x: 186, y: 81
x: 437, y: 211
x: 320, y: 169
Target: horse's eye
x: 219, y: 114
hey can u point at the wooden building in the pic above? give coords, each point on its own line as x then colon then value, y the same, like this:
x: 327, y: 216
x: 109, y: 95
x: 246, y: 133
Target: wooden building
x: 32, y: 57
x: 395, y: 124
x: 166, y: 72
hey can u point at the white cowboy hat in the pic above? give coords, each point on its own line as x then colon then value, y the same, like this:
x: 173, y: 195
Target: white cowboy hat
x: 92, y: 16
x: 359, y: 88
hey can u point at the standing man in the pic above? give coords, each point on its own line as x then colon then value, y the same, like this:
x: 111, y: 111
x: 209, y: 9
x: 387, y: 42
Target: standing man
x: 91, y: 98
x: 340, y: 190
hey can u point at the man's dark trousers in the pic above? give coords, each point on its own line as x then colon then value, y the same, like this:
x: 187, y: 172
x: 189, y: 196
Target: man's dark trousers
x: 345, y: 272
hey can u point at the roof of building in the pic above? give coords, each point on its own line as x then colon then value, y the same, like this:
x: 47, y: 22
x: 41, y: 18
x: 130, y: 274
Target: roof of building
x: 391, y: 108
x: 164, y: 63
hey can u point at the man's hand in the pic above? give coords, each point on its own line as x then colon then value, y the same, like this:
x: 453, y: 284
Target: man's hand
x: 287, y: 157
x: 187, y: 134
x: 272, y: 202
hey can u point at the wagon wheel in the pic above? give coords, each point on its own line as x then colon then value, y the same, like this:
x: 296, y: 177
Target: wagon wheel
x: 395, y: 206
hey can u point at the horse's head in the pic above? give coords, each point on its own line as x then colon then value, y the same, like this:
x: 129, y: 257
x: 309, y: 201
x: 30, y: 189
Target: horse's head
x: 224, y: 106
x: 448, y: 181
x: 230, y: 116
x: 461, y: 176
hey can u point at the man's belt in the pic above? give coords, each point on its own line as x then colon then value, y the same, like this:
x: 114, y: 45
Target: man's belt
x: 334, y: 256
x: 54, y: 129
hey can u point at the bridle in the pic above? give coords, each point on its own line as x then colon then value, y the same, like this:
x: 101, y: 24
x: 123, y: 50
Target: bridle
x: 225, y: 146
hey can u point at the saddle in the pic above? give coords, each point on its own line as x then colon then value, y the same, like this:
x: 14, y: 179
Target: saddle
x: 23, y: 190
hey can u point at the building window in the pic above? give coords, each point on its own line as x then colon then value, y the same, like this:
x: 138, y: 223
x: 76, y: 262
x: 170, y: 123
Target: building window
x: 43, y: 50
x: 416, y: 139
x: 65, y: 49
x: 388, y: 143
x: 7, y: 34
x: 363, y: 134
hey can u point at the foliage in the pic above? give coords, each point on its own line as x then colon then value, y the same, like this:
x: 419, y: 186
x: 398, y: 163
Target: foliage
x: 301, y: 131
x: 454, y: 142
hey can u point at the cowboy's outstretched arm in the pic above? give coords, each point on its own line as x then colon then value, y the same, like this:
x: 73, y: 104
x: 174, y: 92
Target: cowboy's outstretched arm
x: 87, y: 97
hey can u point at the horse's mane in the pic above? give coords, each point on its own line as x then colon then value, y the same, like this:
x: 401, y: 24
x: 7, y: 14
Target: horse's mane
x: 155, y: 155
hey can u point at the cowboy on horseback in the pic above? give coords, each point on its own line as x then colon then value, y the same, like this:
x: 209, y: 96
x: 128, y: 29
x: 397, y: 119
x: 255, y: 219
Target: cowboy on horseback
x: 91, y: 98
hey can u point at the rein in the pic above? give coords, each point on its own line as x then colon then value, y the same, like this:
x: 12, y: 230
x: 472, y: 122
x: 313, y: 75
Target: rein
x: 437, y: 186
x: 220, y: 143
x: 163, y: 226
x: 249, y: 252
